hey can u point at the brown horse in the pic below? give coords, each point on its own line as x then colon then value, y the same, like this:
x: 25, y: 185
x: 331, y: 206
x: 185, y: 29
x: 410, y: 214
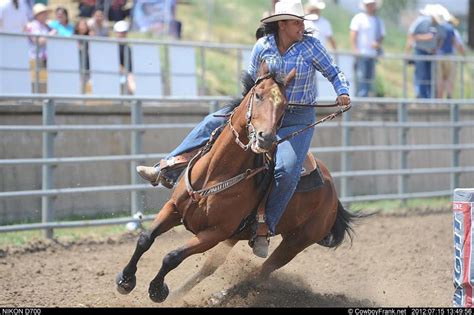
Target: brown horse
x: 311, y: 217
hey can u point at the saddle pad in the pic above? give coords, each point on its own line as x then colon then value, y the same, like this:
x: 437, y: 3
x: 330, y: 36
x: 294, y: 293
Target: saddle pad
x: 311, y: 182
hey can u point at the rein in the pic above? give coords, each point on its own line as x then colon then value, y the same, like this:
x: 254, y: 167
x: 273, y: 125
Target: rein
x: 342, y: 109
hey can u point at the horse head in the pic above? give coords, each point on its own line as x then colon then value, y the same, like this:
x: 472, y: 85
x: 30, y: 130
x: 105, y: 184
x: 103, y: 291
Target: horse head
x: 266, y: 107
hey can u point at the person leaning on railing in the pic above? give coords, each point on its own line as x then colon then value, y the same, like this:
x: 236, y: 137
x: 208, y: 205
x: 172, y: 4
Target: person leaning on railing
x: 424, y: 36
x: 39, y: 26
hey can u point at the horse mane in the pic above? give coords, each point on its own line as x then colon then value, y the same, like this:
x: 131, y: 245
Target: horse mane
x: 247, y: 84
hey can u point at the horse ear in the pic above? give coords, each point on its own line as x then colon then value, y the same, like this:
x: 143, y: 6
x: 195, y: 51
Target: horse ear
x: 290, y: 77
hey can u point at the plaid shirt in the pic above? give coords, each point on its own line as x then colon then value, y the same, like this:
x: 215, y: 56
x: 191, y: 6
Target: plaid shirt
x: 307, y: 56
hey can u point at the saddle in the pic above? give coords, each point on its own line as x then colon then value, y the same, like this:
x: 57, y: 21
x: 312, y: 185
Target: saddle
x: 311, y: 177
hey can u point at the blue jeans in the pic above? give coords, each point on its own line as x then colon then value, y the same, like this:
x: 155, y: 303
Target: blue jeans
x: 290, y: 155
x: 365, y: 72
x: 422, y: 80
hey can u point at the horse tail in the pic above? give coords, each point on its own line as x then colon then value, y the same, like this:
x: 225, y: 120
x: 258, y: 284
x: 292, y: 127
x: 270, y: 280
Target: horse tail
x: 342, y: 227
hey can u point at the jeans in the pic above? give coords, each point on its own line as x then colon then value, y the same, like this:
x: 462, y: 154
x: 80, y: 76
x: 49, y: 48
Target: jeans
x: 365, y: 72
x: 290, y: 155
x: 423, y: 88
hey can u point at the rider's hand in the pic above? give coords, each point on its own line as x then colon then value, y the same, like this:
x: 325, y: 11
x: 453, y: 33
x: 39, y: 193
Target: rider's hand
x: 343, y: 100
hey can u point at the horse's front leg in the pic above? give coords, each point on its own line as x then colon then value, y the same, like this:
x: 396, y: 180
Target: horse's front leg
x: 201, y: 242
x: 167, y: 218
x: 216, y: 258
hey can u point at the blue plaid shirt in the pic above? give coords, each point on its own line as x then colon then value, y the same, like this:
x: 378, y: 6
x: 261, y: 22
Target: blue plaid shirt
x: 308, y: 56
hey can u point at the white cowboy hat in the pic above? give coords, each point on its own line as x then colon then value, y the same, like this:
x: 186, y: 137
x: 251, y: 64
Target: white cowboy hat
x: 40, y: 8
x: 363, y: 3
x: 121, y: 27
x: 286, y: 10
x: 315, y: 4
x: 436, y: 11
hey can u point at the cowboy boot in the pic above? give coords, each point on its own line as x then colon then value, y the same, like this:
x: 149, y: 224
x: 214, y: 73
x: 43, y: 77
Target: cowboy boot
x: 155, y: 176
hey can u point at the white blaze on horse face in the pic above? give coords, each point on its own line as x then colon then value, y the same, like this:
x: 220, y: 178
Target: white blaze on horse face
x: 276, y: 96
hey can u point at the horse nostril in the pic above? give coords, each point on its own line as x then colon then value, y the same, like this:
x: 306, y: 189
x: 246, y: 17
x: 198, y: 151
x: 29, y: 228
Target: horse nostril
x: 261, y: 136
x: 265, y: 139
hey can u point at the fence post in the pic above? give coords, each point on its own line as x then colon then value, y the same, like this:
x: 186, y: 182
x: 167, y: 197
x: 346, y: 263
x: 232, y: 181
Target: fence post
x: 213, y: 107
x: 454, y: 116
x: 37, y: 67
x: 346, y: 157
x: 405, y: 78
x: 402, y: 113
x: 203, y: 85
x: 240, y: 57
x: 136, y: 142
x: 47, y: 209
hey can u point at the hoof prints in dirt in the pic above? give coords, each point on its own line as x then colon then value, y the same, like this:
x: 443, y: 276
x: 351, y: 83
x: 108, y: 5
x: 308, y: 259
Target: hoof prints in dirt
x: 280, y: 293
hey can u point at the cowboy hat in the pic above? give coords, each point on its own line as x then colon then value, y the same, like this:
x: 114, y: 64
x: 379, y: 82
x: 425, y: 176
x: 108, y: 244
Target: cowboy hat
x: 363, y: 3
x: 286, y: 10
x: 436, y: 11
x: 121, y: 27
x: 40, y: 8
x: 315, y: 4
x: 447, y: 16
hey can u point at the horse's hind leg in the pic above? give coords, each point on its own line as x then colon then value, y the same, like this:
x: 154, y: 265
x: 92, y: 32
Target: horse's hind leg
x: 291, y: 245
x: 201, y: 242
x: 167, y: 218
x: 216, y: 258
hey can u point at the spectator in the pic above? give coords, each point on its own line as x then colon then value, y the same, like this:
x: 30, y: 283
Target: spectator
x: 98, y: 26
x: 319, y: 26
x: 118, y: 10
x: 446, y: 72
x: 39, y: 27
x: 424, y: 36
x: 157, y: 17
x: 86, y: 8
x: 81, y: 29
x: 121, y: 30
x: 13, y: 16
x: 367, y: 31
x: 61, y: 25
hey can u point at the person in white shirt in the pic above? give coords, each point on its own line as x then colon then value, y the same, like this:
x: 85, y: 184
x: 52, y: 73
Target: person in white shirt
x: 13, y: 15
x: 367, y: 32
x: 316, y: 24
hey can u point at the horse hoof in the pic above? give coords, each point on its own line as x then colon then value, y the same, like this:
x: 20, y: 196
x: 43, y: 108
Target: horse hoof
x: 125, y: 285
x: 158, y: 294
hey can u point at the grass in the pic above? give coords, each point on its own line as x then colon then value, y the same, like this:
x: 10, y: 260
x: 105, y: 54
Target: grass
x: 21, y: 238
x: 398, y: 207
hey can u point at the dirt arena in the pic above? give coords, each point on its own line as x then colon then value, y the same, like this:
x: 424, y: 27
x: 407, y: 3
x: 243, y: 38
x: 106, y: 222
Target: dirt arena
x: 394, y: 261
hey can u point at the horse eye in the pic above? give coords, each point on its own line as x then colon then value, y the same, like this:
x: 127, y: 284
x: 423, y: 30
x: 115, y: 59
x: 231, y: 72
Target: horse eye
x: 259, y: 96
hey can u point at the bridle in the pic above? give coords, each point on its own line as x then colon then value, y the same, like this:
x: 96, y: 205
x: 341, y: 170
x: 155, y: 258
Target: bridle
x: 248, y: 116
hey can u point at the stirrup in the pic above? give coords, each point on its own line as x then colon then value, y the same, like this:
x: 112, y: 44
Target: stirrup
x: 177, y: 162
x: 163, y: 180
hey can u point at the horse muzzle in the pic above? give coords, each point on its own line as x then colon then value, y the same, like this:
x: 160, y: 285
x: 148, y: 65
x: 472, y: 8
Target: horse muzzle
x: 263, y: 142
